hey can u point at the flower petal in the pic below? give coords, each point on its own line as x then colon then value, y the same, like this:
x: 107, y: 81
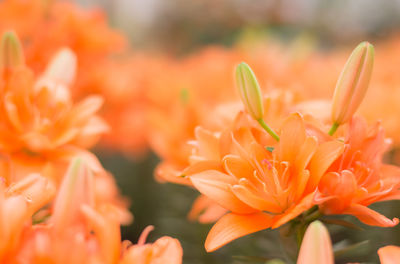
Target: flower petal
x: 325, y: 155
x: 293, y: 135
x: 237, y: 167
x: 370, y: 217
x: 255, y: 201
x: 233, y: 226
x: 216, y: 185
x: 293, y: 212
x: 205, y: 210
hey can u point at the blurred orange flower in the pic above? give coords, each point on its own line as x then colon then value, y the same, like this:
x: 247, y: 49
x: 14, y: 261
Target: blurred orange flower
x: 38, y: 119
x: 47, y: 26
x: 89, y: 230
x: 42, y: 130
x: 38, y: 116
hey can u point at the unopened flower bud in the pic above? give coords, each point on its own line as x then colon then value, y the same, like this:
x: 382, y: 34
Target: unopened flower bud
x: 353, y: 83
x: 249, y: 90
x: 11, y: 53
x: 316, y: 247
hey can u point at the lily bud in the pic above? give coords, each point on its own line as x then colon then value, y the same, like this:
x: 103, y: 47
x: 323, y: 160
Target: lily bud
x: 316, y: 247
x: 11, y: 54
x: 389, y: 254
x: 249, y: 90
x: 353, y: 83
x: 75, y: 190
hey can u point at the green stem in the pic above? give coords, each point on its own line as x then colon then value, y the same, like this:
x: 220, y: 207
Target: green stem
x: 333, y: 129
x: 313, y: 216
x: 301, y: 230
x: 268, y: 129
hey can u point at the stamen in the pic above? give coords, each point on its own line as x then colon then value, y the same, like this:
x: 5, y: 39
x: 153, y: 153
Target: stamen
x: 143, y: 236
x: 269, y: 164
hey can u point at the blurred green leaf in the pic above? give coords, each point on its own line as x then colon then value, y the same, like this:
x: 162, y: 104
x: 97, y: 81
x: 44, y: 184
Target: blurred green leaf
x: 343, y: 223
x: 352, y: 250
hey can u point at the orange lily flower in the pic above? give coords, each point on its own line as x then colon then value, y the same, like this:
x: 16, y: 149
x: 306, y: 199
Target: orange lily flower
x: 316, y: 247
x: 358, y: 178
x: 262, y: 189
x: 389, y: 254
x: 175, y: 159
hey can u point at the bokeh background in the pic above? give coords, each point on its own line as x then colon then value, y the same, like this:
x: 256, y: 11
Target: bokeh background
x: 179, y: 28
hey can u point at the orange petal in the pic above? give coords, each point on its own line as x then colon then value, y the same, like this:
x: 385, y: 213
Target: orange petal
x: 237, y: 167
x: 167, y: 172
x: 208, y: 144
x: 85, y: 109
x: 37, y: 189
x: 167, y: 250
x: 62, y: 67
x: 300, y: 184
x: 205, y: 210
x: 325, y: 155
x: 11, y: 110
x: 233, y: 226
x: 306, y: 153
x: 316, y: 247
x: 292, y: 138
x: 216, y: 185
x: 370, y: 217
x: 293, y: 212
x: 389, y: 255
x: 255, y: 201
x: 105, y: 225
x: 202, y: 166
